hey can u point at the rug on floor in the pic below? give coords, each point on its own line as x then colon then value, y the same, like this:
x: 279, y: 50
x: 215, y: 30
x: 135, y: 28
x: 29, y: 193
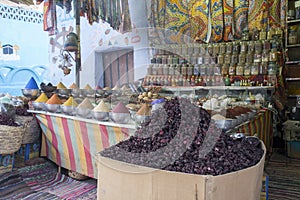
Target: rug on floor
x: 41, y: 181
x: 284, y: 177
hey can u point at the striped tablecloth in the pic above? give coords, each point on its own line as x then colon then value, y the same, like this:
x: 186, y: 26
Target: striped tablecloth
x: 261, y: 126
x: 73, y: 143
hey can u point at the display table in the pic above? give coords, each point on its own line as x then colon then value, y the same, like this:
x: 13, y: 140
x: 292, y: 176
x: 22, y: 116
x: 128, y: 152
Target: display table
x: 73, y: 142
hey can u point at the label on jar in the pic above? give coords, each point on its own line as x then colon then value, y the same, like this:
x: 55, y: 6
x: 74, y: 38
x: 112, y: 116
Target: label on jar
x: 247, y: 69
x: 232, y: 70
x: 239, y: 70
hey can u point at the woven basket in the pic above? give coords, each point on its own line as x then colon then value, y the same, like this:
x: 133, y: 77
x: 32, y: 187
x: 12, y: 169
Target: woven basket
x: 10, y: 138
x: 32, y: 129
x: 76, y: 175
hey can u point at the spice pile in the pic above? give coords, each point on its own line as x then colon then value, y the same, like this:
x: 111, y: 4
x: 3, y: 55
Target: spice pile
x: 181, y: 137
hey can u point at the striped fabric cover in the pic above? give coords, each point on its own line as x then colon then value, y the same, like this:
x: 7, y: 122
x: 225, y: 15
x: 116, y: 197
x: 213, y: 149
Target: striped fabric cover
x: 262, y: 126
x: 74, y: 144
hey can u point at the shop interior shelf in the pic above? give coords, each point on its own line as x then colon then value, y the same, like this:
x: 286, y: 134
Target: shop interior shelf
x: 293, y: 21
x: 293, y: 45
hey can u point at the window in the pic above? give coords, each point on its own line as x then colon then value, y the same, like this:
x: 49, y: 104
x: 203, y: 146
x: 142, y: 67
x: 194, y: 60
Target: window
x: 8, y: 49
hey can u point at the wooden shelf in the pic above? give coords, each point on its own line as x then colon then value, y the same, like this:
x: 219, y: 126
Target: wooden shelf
x: 292, y: 45
x: 293, y: 79
x: 293, y: 21
x: 292, y: 62
x: 293, y: 96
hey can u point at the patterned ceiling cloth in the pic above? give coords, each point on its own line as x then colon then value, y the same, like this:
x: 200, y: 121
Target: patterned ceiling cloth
x: 228, y: 20
x: 200, y: 19
x: 257, y: 14
x: 176, y: 21
x: 274, y: 13
x: 217, y: 22
x: 240, y: 16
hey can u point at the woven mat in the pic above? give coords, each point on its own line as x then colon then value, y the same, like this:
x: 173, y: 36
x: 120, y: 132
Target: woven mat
x: 284, y: 177
x: 41, y: 181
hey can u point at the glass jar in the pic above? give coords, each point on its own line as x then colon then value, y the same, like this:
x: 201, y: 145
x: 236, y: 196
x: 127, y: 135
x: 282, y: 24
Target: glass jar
x: 203, y: 70
x: 263, y: 68
x: 160, y: 69
x: 292, y: 37
x: 265, y: 56
x: 206, y: 59
x: 240, y: 69
x: 172, y: 69
x: 154, y: 69
x: 236, y: 47
x: 273, y: 55
x: 249, y: 57
x: 227, y: 59
x: 196, y: 49
x: 165, y: 69
x: 222, y: 48
x: 266, y: 45
x: 225, y: 70
x: 149, y: 69
x: 272, y: 68
x: 234, y: 58
x: 244, y: 47
x: 255, y: 68
x: 200, y: 60
x: 247, y: 69
x: 190, y: 70
x: 229, y: 47
x: 216, y: 49
x: 258, y: 46
x: 184, y: 69
x: 210, y: 70
x: 242, y: 58
x: 221, y: 59
x: 184, y: 49
x: 232, y: 70
x: 257, y: 58
x: 210, y: 48
x: 251, y: 45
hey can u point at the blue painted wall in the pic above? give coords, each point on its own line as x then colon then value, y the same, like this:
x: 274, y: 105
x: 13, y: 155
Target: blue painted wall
x: 23, y: 28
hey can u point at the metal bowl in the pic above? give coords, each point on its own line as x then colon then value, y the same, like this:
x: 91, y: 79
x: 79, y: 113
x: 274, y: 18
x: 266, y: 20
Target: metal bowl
x: 99, y: 93
x: 76, y: 92
x: 38, y: 105
x: 83, y: 112
x: 31, y: 93
x: 120, y: 118
x: 63, y: 93
x: 69, y: 110
x: 88, y: 93
x: 101, y: 116
x: 139, y: 119
x: 52, y: 107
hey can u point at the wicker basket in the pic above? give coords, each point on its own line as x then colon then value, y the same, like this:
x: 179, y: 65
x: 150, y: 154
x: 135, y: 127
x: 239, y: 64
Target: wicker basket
x: 10, y: 138
x: 32, y: 129
x: 76, y: 175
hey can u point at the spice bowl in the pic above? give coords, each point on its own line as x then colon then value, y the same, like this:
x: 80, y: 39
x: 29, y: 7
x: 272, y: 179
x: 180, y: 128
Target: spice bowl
x: 100, y: 116
x: 120, y: 118
x: 38, y: 105
x: 31, y: 93
x: 88, y: 93
x: 63, y: 93
x: 139, y: 119
x: 69, y: 110
x: 52, y: 107
x: 83, y: 112
x: 76, y: 92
